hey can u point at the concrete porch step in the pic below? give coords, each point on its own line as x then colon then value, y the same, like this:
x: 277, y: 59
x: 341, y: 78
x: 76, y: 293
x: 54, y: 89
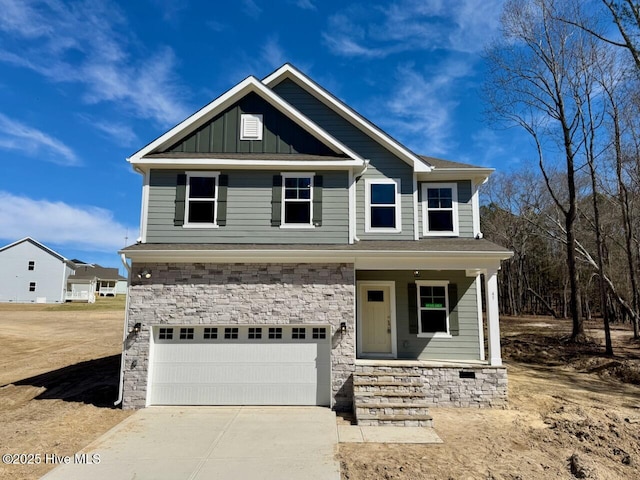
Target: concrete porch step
x: 375, y: 383
x: 396, y: 420
x: 391, y: 394
x: 384, y: 373
x: 379, y: 410
x: 391, y: 405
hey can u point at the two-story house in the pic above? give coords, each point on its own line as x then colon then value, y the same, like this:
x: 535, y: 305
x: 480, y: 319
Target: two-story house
x: 292, y: 253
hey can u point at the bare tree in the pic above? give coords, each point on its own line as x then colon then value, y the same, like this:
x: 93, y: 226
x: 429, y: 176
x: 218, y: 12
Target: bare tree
x: 530, y: 87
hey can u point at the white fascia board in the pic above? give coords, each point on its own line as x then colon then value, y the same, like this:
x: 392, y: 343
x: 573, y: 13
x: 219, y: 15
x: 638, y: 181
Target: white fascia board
x: 288, y: 71
x: 374, y: 259
x: 147, y: 163
x: 479, y: 175
x: 249, y: 84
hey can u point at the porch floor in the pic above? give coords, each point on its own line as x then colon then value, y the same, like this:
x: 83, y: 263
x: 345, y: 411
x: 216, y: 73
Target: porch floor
x: 393, y: 362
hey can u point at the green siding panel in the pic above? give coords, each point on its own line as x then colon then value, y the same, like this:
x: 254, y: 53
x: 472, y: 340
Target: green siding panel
x: 463, y: 346
x: 222, y: 133
x: 383, y: 163
x: 248, y: 216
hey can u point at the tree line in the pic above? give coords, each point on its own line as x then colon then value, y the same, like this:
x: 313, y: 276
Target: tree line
x: 567, y: 73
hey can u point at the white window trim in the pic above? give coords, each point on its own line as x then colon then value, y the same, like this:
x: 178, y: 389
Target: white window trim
x: 454, y: 207
x: 285, y: 175
x: 187, y: 200
x: 367, y: 205
x: 254, y: 117
x: 433, y: 283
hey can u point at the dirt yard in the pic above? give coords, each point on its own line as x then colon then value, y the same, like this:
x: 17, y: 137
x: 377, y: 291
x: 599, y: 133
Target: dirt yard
x: 59, y: 368
x: 572, y: 412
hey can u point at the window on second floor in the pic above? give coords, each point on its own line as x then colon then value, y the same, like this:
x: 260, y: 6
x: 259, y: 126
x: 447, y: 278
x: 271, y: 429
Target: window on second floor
x: 32, y: 265
x: 382, y: 205
x: 440, y: 209
x: 32, y: 286
x: 297, y: 199
x: 201, y: 199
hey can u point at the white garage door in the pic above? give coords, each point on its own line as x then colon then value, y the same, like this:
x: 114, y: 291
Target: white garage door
x: 240, y: 365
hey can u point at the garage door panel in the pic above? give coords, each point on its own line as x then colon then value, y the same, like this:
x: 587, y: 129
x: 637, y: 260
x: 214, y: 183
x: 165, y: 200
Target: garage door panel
x: 240, y: 371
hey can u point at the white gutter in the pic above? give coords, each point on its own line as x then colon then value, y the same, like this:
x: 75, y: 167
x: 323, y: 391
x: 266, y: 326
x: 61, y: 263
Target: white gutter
x: 124, y: 344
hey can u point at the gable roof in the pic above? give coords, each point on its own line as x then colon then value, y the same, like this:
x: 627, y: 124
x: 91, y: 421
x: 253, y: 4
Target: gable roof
x: 87, y: 271
x: 288, y: 71
x: 41, y: 246
x: 249, y: 84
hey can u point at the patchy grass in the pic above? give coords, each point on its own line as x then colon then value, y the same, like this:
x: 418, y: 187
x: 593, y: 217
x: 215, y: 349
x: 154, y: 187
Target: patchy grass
x: 102, y: 303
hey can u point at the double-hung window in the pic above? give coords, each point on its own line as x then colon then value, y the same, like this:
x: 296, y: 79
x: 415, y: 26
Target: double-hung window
x: 297, y: 199
x: 201, y: 199
x: 440, y: 209
x: 382, y: 205
x: 433, y: 308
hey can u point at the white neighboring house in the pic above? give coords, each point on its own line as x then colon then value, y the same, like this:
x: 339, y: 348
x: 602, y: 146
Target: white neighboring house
x: 91, y: 280
x: 31, y: 272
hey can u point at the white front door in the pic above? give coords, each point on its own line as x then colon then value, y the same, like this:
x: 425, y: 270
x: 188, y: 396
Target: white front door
x: 376, y: 325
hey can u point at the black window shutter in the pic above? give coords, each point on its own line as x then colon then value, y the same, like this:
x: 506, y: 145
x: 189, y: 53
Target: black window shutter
x: 276, y: 201
x: 181, y: 191
x: 412, y: 292
x: 223, y: 183
x: 454, y: 324
x: 317, y: 200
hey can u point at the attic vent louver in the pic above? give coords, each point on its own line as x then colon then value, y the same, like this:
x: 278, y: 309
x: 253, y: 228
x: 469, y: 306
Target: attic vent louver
x: 251, y: 126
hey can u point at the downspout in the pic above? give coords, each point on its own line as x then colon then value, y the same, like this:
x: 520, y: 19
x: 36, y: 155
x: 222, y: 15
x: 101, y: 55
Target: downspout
x: 355, y: 196
x: 123, y: 259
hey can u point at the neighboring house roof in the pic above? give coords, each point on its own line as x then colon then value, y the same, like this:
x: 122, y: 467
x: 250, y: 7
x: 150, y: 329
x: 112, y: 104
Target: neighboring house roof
x: 41, y: 246
x: 248, y: 85
x: 90, y: 272
x: 288, y: 71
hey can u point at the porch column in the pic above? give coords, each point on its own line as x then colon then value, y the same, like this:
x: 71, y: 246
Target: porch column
x: 493, y: 320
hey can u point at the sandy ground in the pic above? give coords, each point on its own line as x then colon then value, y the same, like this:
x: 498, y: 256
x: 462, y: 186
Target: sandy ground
x: 58, y: 380
x: 565, y: 419
x: 59, y: 374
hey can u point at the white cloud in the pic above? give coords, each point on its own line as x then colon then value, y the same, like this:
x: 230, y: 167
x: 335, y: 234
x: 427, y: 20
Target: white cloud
x: 272, y: 53
x: 15, y: 135
x: 420, y: 110
x: 121, y: 134
x: 412, y: 25
x: 306, y: 5
x: 251, y: 8
x: 89, y: 43
x: 82, y: 227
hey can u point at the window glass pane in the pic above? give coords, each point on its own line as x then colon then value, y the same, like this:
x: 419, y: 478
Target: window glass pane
x: 439, y: 198
x: 297, y: 212
x: 384, y: 194
x: 304, y: 182
x: 375, y: 296
x: 383, y: 217
x: 201, y: 212
x: 304, y: 194
x: 441, y: 221
x: 290, y: 182
x: 202, y: 187
x: 290, y: 193
x: 433, y: 321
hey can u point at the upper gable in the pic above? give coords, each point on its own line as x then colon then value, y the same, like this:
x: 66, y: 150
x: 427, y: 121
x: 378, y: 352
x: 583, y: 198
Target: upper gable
x: 221, y: 134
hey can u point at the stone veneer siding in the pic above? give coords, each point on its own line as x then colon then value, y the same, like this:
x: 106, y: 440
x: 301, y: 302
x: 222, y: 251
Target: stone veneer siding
x: 444, y: 387
x: 247, y: 293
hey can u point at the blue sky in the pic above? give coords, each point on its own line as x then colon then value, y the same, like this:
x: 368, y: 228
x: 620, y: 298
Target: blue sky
x: 84, y: 84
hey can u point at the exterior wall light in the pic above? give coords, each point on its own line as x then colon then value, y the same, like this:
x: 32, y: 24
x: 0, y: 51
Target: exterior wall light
x: 144, y: 274
x: 136, y: 328
x: 343, y: 328
x: 416, y: 273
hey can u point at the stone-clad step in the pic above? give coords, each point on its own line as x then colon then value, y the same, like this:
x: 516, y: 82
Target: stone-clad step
x: 387, y: 397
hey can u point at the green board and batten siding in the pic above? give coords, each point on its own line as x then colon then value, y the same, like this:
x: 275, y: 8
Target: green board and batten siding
x: 249, y: 195
x: 463, y: 346
x: 383, y: 164
x: 465, y: 209
x: 222, y: 133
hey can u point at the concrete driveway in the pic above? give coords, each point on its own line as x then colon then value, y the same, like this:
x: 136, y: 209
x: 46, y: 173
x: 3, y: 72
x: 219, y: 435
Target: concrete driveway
x: 180, y: 443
